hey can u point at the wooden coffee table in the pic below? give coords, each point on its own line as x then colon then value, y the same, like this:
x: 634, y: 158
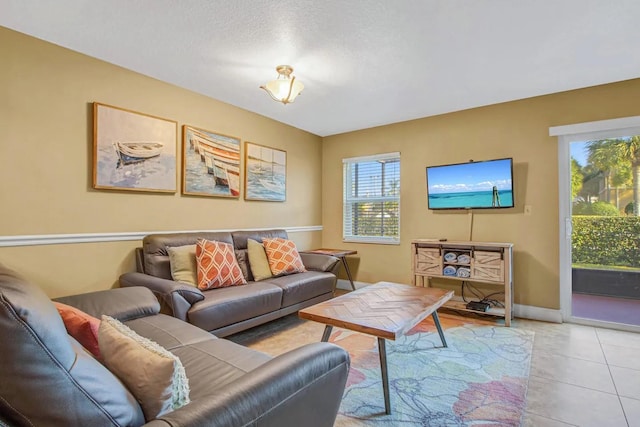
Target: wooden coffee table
x: 385, y: 310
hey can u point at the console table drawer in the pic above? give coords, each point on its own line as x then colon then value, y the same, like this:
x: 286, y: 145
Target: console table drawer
x: 488, y: 266
x: 428, y: 260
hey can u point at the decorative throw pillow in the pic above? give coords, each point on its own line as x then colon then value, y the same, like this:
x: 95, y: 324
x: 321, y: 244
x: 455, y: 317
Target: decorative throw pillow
x: 217, y: 265
x: 155, y: 376
x: 258, y: 260
x: 183, y: 264
x: 283, y: 256
x: 81, y: 326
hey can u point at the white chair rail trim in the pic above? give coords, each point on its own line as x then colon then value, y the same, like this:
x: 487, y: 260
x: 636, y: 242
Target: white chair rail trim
x: 64, y: 239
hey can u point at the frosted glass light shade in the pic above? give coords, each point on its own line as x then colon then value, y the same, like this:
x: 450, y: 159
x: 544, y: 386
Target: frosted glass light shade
x: 285, y: 88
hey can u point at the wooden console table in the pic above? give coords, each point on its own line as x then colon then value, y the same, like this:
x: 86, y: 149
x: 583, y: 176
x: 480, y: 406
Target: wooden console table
x: 338, y: 253
x: 482, y: 262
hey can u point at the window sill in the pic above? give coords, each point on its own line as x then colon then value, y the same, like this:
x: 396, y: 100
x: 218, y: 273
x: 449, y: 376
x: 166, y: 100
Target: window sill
x: 371, y: 241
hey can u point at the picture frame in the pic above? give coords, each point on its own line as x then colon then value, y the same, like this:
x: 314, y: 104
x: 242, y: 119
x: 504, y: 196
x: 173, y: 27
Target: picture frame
x: 133, y: 151
x: 210, y: 163
x: 265, y: 176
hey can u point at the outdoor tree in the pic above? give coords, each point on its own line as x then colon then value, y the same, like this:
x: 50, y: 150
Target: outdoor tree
x: 631, y: 151
x: 606, y: 157
x: 576, y: 178
x: 615, y: 158
x: 590, y: 177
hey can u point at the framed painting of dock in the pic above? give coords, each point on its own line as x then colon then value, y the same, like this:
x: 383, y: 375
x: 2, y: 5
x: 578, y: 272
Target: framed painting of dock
x: 265, y: 175
x: 210, y: 163
x: 133, y: 151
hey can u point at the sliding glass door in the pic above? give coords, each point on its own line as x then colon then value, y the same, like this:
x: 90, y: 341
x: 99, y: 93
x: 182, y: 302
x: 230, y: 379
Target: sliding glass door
x: 605, y: 229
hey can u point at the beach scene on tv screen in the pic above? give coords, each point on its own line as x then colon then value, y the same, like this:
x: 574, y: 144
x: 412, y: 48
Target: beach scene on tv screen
x: 470, y: 185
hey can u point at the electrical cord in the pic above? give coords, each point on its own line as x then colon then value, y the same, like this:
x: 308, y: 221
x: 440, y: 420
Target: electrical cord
x: 492, y: 301
x: 472, y: 289
x: 481, y: 297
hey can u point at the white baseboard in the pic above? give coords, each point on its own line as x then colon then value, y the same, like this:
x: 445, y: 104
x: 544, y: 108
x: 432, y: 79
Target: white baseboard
x: 537, y: 313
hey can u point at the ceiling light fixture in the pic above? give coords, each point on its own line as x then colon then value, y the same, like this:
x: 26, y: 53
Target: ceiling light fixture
x: 285, y: 88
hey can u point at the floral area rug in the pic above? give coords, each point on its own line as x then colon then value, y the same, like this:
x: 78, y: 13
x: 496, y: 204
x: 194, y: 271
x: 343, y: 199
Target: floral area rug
x: 479, y: 380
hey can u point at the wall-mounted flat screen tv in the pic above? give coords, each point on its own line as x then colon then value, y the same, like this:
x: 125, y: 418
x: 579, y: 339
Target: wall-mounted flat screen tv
x: 473, y: 185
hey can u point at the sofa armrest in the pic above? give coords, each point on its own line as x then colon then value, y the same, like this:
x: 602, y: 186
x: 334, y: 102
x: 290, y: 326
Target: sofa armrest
x: 303, y: 387
x: 178, y: 297
x: 123, y: 304
x: 319, y: 262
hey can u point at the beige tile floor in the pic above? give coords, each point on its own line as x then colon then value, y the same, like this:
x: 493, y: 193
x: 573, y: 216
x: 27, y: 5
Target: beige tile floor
x: 582, y: 376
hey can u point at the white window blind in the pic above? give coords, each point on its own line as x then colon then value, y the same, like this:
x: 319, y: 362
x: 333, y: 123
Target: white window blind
x: 371, y: 199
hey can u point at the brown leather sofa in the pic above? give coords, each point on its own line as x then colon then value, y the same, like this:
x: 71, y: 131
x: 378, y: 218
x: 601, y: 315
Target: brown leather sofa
x: 48, y: 379
x: 225, y: 311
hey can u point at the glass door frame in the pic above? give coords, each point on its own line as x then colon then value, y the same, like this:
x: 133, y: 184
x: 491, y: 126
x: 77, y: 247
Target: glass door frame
x: 567, y: 134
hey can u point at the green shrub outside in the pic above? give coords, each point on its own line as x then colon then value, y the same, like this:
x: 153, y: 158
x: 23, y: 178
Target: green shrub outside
x: 597, y: 208
x: 606, y: 240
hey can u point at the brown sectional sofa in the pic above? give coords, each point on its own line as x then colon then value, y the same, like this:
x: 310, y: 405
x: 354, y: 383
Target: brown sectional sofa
x: 48, y: 379
x: 225, y: 311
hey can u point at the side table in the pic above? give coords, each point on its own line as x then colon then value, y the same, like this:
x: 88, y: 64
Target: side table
x: 338, y: 253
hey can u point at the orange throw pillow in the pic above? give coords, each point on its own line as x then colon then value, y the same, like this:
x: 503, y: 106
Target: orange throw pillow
x: 283, y: 256
x: 81, y: 326
x: 217, y: 265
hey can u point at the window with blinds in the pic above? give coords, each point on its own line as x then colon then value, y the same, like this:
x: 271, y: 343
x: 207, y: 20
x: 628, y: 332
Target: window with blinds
x: 371, y: 199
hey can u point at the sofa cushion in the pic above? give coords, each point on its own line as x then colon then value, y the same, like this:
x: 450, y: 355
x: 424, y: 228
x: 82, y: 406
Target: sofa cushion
x: 242, y: 256
x: 226, y: 306
x: 47, y: 376
x: 258, y: 260
x: 301, y: 287
x: 182, y: 260
x: 154, y: 375
x: 214, y: 362
x: 217, y: 363
x: 168, y: 331
x: 217, y: 265
x: 155, y: 256
x: 283, y: 256
x: 81, y: 326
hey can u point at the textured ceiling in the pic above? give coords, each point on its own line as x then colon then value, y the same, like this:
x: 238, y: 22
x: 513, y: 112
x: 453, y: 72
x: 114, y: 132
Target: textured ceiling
x: 363, y: 62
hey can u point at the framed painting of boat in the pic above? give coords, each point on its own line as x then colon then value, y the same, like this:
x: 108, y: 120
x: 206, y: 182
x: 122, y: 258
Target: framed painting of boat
x: 265, y: 175
x: 133, y: 151
x: 210, y: 163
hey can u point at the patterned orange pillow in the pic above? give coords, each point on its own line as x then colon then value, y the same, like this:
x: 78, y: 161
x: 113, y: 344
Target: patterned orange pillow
x: 283, y: 256
x: 217, y: 265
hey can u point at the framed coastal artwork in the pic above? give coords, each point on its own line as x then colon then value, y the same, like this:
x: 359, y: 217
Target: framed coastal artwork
x: 265, y: 175
x: 210, y: 163
x: 133, y: 151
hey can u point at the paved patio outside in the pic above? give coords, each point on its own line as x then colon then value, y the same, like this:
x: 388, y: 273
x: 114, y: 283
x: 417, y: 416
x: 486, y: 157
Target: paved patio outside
x: 609, y: 309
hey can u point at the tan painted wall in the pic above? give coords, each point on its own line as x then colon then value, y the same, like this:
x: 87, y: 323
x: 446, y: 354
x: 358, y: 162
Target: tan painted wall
x: 46, y: 161
x: 516, y: 129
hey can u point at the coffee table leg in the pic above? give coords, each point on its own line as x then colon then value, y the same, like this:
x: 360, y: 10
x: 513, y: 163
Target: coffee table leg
x: 382, y: 350
x: 436, y: 320
x: 327, y: 333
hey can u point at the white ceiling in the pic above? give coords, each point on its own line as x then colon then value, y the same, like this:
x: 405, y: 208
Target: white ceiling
x: 364, y: 63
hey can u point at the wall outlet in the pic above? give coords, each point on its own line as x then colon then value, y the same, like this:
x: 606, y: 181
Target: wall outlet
x: 527, y: 210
